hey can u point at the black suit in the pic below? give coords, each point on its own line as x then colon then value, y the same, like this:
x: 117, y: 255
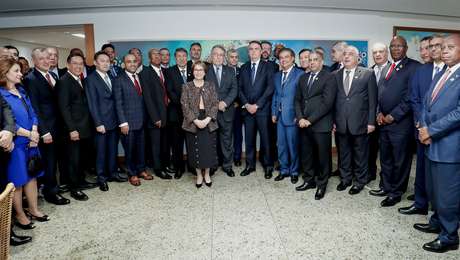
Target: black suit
x: 315, y: 104
x: 154, y: 92
x: 353, y: 113
x: 237, y: 124
x: 75, y: 112
x: 227, y: 91
x: 7, y: 123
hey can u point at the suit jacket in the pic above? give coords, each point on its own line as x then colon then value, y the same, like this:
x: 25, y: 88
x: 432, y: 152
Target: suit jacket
x: 101, y: 102
x: 128, y: 104
x: 7, y: 121
x: 174, y: 85
x: 394, y: 96
x: 261, y: 91
x: 153, y: 93
x: 316, y: 104
x: 334, y: 67
x: 74, y: 106
x: 44, y: 101
x: 89, y: 69
x: 442, y: 117
x: 117, y: 70
x: 419, y: 85
x: 355, y: 111
x: 283, y: 99
x: 227, y: 91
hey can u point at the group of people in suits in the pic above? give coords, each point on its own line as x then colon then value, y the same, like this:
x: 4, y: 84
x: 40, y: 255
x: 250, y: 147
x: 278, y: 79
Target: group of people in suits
x: 156, y: 109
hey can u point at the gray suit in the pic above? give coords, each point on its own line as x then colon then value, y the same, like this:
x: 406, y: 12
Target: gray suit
x: 227, y: 91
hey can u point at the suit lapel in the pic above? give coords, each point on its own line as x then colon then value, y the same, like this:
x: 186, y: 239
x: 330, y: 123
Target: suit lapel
x: 340, y: 80
x: 259, y: 69
x: 102, y: 81
x: 212, y: 76
x: 354, y: 80
x: 383, y: 73
x: 450, y: 82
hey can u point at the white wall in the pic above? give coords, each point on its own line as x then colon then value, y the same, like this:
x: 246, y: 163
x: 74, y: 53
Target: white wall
x: 236, y: 24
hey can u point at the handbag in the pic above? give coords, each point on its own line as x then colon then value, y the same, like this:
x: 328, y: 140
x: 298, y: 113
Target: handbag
x: 34, y: 162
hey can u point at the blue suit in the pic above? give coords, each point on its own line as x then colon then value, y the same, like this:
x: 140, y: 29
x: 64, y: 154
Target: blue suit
x: 283, y: 109
x: 420, y: 84
x: 101, y: 105
x: 442, y: 118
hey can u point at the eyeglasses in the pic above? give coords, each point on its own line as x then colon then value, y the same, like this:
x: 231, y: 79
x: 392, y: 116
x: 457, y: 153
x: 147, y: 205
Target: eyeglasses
x: 437, y: 46
x: 397, y: 46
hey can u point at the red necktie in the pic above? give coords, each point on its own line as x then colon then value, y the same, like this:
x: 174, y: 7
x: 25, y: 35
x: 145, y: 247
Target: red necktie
x: 82, y: 77
x: 137, y: 86
x: 48, y: 78
x: 165, y: 95
x: 440, y: 85
x: 393, y: 65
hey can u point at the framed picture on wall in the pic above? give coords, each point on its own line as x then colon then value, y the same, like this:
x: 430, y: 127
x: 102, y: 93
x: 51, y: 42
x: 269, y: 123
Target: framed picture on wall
x: 413, y: 35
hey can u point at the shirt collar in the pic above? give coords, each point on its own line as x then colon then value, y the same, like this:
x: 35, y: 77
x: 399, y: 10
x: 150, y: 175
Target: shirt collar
x: 43, y: 73
x: 102, y: 74
x: 454, y: 68
x: 256, y: 62
x: 77, y: 78
x: 289, y: 70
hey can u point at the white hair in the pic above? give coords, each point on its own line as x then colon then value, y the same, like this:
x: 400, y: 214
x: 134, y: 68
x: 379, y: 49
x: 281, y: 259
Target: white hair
x: 379, y: 45
x: 352, y: 49
x: 340, y: 46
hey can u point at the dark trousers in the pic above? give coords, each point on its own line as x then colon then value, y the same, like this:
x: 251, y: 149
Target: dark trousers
x: 443, y: 182
x: 158, y: 138
x: 237, y: 135
x: 225, y: 142
x: 353, y: 158
x: 315, y: 156
x: 176, y: 140
x: 134, y: 145
x: 79, y: 160
x: 395, y: 160
x: 252, y: 125
x: 421, y: 196
x: 49, y: 155
x: 106, y: 157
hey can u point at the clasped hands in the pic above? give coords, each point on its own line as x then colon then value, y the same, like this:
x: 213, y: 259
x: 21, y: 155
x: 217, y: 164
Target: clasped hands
x: 384, y: 120
x: 202, y: 123
x: 424, y: 136
x: 6, y: 140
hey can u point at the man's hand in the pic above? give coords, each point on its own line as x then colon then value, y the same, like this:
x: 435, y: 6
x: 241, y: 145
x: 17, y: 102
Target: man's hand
x: 274, y: 119
x: 9, y: 148
x: 252, y: 109
x: 48, y: 139
x: 380, y: 117
x: 304, y: 123
x: 101, y: 129
x: 158, y: 124
x: 34, y: 136
x: 427, y: 141
x: 33, y: 144
x: 125, y: 129
x: 423, y: 135
x: 388, y: 119
x: 6, y: 138
x: 370, y: 129
x: 74, y: 136
x: 222, y: 106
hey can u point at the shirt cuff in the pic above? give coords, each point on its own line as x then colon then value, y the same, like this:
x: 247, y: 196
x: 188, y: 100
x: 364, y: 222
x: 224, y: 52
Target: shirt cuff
x: 123, y: 124
x: 45, y: 135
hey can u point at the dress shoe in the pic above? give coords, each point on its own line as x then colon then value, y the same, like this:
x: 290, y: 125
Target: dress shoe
x: 78, y: 195
x: 306, y: 186
x: 117, y: 178
x: 57, y: 199
x: 335, y: 173
x: 379, y: 193
x: 355, y: 190
x: 178, y: 175
x: 16, y: 240
x: 268, y: 173
x: 28, y: 226
x: 237, y: 163
x: 294, y: 179
x: 103, y: 186
x: 320, y: 192
x: 437, y: 246
x: 247, y: 171
x: 134, y: 180
x: 411, y: 197
x: 162, y: 175
x: 229, y: 172
x: 343, y: 186
x: 413, y: 210
x: 390, y: 201
x: 170, y: 170
x: 198, y: 185
x: 85, y: 185
x: 280, y: 177
x: 43, y: 218
x: 63, y: 188
x: 427, y: 228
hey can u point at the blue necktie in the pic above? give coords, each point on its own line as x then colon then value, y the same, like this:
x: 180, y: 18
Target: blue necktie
x: 436, y: 71
x: 253, y: 73
x: 283, y: 80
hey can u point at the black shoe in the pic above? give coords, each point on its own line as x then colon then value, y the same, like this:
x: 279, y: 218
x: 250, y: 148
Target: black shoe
x: 28, y: 226
x: 209, y: 184
x: 16, y: 240
x: 117, y: 179
x: 320, y: 192
x: 78, y: 195
x: 162, y: 175
x: 247, y: 171
x: 212, y: 171
x: 198, y: 185
x: 371, y: 178
x: 43, y: 218
x: 229, y: 172
x: 413, y: 210
x: 280, y: 177
x: 85, y: 185
x: 437, y: 246
x: 342, y: 186
x: 411, y: 197
x: 306, y: 186
x: 294, y: 179
x: 379, y: 193
x: 355, y: 190
x: 57, y: 199
x: 335, y: 173
x: 237, y: 163
x: 170, y: 170
x: 178, y: 175
x: 103, y: 186
x: 427, y: 228
x: 63, y: 188
x: 390, y: 201
x: 268, y: 173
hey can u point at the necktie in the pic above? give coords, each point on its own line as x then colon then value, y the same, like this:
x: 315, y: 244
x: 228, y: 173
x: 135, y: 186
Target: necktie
x: 184, y: 77
x: 439, y: 85
x: 393, y: 65
x: 283, y: 80
x: 310, y: 81
x: 253, y: 73
x: 48, y: 78
x: 378, y: 73
x: 113, y: 71
x: 346, y: 82
x: 107, y: 81
x: 165, y: 95
x: 436, y: 71
x: 82, y: 76
x: 218, y: 75
x: 137, y: 86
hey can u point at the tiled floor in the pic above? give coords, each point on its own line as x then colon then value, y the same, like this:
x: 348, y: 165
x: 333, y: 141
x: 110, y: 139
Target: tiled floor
x: 238, y: 218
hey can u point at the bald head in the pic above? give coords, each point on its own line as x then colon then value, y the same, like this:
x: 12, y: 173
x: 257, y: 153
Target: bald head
x: 398, y: 48
x: 380, y: 53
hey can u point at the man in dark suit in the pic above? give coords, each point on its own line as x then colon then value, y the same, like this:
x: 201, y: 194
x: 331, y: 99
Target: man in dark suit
x: 195, y: 55
x: 102, y: 108
x: 337, y: 55
x: 129, y: 105
x: 177, y: 76
x: 355, y: 107
x: 77, y: 123
x: 439, y: 131
x: 114, y: 69
x: 41, y: 88
x: 396, y: 124
x: 255, y: 92
x: 156, y: 101
x: 419, y: 85
x: 304, y: 59
x: 224, y: 80
x: 232, y: 62
x: 424, y: 49
x: 54, y: 62
x: 314, y: 102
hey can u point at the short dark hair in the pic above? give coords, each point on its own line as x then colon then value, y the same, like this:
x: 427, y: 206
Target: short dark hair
x: 255, y: 42
x: 10, y: 47
x: 304, y: 50
x: 266, y: 42
x: 180, y: 50
x: 288, y: 50
x: 426, y: 38
x: 131, y: 50
x: 71, y: 55
x: 164, y: 49
x: 195, y: 44
x: 99, y: 53
x: 107, y: 45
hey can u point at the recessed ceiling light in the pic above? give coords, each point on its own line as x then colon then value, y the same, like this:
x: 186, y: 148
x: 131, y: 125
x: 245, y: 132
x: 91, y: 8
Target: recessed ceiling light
x: 79, y: 35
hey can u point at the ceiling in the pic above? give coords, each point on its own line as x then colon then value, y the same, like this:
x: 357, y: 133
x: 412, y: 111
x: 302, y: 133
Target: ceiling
x: 58, y: 36
x: 446, y: 8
